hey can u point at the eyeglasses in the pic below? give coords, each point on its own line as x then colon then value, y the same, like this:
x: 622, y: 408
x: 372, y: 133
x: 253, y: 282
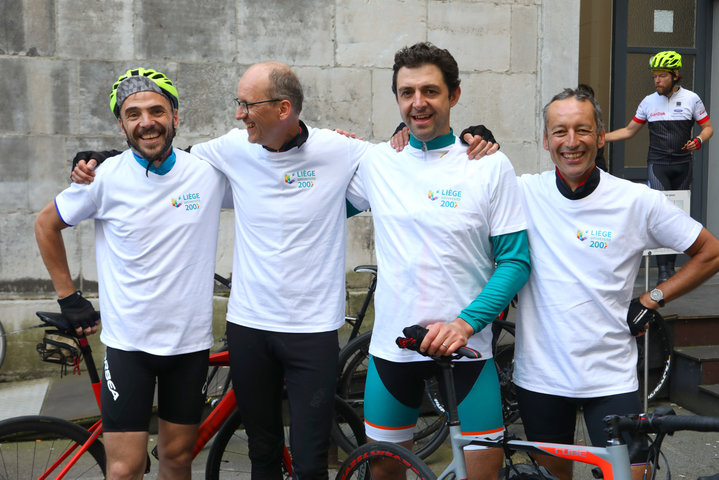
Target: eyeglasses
x: 245, y: 106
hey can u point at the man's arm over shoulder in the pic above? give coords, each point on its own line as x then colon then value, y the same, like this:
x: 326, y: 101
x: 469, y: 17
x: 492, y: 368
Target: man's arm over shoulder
x: 85, y: 163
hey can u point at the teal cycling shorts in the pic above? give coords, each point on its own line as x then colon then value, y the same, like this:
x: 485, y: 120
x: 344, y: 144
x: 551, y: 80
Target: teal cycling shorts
x: 395, y: 396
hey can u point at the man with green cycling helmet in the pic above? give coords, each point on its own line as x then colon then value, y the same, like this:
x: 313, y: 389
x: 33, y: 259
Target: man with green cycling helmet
x: 142, y: 202
x: 670, y: 112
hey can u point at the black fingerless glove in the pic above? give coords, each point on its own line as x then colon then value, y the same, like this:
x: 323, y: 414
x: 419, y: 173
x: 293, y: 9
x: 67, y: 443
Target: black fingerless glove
x: 638, y: 316
x: 480, y: 130
x: 413, y: 336
x: 92, y: 155
x: 78, y: 311
x: 399, y: 128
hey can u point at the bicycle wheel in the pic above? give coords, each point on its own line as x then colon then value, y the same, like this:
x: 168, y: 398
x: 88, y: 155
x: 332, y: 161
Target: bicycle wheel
x: 352, y: 368
x: 3, y: 344
x: 347, y: 428
x: 357, y: 465
x: 228, y: 456
x: 30, y: 445
x: 503, y: 348
x: 660, y: 357
x: 217, y: 384
x: 431, y: 429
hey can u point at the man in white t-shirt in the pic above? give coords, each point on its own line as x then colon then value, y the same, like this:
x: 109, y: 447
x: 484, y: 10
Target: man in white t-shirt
x: 575, y: 316
x: 441, y: 223
x: 156, y: 212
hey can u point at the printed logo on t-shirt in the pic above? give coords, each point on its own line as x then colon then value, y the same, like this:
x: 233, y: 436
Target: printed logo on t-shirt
x: 448, y: 197
x: 191, y: 201
x: 303, y: 178
x: 597, y: 238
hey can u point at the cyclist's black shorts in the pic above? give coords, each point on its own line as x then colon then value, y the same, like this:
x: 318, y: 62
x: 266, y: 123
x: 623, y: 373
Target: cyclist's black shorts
x: 676, y: 176
x: 551, y: 418
x: 128, y: 388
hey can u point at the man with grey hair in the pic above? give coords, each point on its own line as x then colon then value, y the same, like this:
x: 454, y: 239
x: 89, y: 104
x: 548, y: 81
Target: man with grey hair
x: 576, y: 319
x: 152, y: 205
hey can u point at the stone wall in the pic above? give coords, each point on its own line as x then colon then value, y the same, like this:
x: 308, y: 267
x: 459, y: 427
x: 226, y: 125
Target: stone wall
x: 58, y: 59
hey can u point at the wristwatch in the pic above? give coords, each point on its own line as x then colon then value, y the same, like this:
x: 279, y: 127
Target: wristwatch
x: 658, y: 296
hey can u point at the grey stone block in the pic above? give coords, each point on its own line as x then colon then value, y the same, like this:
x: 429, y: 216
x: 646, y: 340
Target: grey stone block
x: 206, y: 98
x: 38, y: 95
x: 189, y: 30
x: 337, y: 98
x: 476, y: 34
x: 27, y: 27
x: 299, y: 32
x: 95, y: 29
x: 370, y: 32
x: 13, y: 96
x: 30, y: 168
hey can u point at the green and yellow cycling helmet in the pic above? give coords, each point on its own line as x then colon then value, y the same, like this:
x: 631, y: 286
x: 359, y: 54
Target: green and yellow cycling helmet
x: 141, y: 80
x: 667, y: 60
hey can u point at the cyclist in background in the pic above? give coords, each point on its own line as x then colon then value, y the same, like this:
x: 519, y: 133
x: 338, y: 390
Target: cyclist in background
x: 441, y: 222
x: 155, y: 259
x: 670, y: 112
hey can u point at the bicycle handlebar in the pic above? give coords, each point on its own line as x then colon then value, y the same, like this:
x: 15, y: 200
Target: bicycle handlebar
x: 416, y: 333
x: 657, y: 423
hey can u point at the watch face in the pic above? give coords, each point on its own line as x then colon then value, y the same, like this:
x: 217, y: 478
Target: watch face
x: 656, y: 295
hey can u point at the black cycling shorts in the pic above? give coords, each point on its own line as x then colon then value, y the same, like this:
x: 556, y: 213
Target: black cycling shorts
x: 128, y: 388
x: 677, y: 176
x: 551, y: 418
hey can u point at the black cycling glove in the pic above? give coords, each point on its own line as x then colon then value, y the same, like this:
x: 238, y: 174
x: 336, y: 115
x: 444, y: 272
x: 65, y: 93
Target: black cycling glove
x: 399, y: 128
x: 638, y: 316
x: 413, y: 336
x: 480, y: 130
x: 98, y: 156
x: 78, y: 311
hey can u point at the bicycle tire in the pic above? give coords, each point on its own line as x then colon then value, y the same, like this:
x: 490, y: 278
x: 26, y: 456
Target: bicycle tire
x: 660, y: 358
x: 30, y: 444
x: 431, y: 429
x: 228, y: 456
x: 357, y: 465
x: 503, y: 353
x: 217, y: 384
x: 347, y: 427
x: 3, y: 344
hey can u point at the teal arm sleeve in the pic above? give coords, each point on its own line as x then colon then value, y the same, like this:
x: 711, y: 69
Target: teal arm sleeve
x: 511, y: 252
x: 351, y: 210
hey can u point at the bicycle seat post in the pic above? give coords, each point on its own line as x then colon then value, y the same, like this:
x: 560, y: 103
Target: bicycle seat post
x: 447, y: 381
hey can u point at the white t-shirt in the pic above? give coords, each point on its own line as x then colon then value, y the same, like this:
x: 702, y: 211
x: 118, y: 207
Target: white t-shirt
x: 434, y: 213
x: 572, y: 336
x: 155, y: 239
x: 290, y: 229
